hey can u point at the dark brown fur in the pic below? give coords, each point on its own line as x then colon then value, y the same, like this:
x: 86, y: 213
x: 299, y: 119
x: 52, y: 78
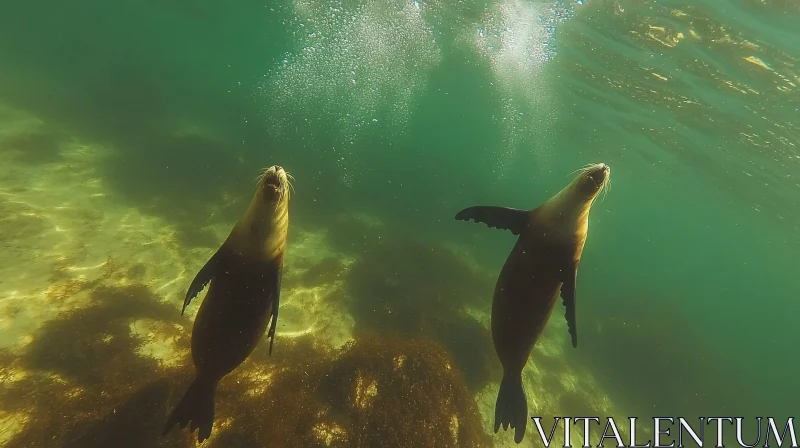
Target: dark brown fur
x: 526, y: 292
x: 542, y: 265
x: 242, y: 299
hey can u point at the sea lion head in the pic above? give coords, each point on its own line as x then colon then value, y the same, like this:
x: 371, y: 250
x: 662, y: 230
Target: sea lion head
x: 593, y: 178
x: 266, y: 222
x: 274, y: 185
x: 572, y: 204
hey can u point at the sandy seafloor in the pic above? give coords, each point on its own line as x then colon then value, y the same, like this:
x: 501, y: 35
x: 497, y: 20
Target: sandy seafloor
x: 67, y: 245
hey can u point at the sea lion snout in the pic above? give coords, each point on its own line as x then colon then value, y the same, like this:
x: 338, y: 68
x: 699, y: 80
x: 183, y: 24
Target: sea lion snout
x: 274, y: 183
x: 274, y: 175
x: 592, y: 179
x: 599, y: 173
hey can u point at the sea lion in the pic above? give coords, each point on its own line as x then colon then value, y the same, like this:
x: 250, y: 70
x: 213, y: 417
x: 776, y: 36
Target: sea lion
x: 542, y: 265
x: 245, y: 276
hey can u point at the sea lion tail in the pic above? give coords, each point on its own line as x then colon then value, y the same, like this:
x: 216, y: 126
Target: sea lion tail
x: 197, y: 407
x: 511, y: 408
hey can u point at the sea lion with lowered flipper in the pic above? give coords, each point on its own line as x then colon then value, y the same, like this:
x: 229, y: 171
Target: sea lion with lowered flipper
x: 542, y: 266
x: 244, y: 295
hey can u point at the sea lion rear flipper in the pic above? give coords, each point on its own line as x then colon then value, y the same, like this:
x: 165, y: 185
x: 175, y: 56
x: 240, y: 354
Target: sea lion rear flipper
x: 276, y: 303
x: 498, y: 217
x: 568, y: 296
x: 200, y: 281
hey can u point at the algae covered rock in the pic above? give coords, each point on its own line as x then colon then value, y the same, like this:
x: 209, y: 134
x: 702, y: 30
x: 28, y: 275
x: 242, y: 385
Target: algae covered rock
x: 413, y: 289
x: 107, y: 372
x: 374, y: 392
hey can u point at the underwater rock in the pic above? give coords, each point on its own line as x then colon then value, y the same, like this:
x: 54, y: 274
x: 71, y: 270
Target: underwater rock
x: 110, y: 413
x: 19, y: 223
x: 34, y: 147
x: 325, y: 272
x: 417, y: 289
x: 82, y: 380
x: 136, y: 422
x: 354, y: 234
x: 375, y: 392
x: 81, y: 343
x: 85, y: 380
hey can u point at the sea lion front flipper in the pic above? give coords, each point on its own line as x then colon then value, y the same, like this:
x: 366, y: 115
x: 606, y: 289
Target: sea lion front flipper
x: 276, y: 303
x: 498, y: 217
x: 202, y: 278
x: 568, y: 296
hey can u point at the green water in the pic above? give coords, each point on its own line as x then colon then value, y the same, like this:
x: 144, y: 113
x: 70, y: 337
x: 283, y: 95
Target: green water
x: 411, y: 111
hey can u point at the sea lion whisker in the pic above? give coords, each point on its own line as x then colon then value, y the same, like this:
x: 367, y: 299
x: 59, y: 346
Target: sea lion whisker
x: 580, y: 171
x: 262, y: 177
x: 606, y: 186
x: 289, y: 180
x: 283, y: 192
x: 584, y: 169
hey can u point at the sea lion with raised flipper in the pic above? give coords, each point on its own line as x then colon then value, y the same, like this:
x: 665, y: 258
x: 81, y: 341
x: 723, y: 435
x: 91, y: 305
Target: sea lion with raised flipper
x: 243, y: 297
x: 542, y: 266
